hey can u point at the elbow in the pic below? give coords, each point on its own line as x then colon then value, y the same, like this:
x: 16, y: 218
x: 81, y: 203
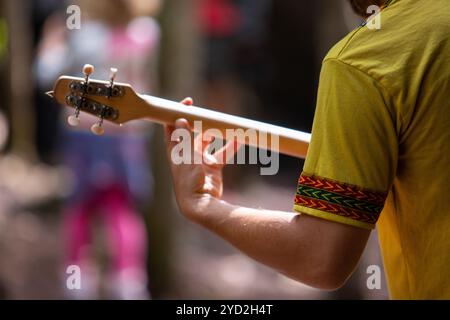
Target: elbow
x: 330, y: 281
x: 327, y: 281
x: 327, y: 276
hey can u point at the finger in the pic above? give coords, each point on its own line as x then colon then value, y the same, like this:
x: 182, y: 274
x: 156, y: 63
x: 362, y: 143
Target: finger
x: 174, y: 136
x: 187, y: 101
x: 227, y: 152
x: 170, y: 144
x: 202, y: 142
x: 170, y: 128
x: 183, y: 124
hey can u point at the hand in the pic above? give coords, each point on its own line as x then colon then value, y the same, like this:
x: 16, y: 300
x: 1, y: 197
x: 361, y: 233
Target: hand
x: 317, y: 252
x: 197, y: 185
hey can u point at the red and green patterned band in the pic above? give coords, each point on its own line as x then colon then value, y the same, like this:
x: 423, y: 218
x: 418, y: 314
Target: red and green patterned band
x: 339, y: 198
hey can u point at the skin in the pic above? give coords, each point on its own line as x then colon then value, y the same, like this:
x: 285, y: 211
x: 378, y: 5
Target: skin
x: 316, y: 252
x: 360, y: 6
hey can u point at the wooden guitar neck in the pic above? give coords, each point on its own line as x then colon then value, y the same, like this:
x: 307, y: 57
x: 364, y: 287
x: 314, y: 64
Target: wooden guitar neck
x: 250, y: 132
x: 119, y: 103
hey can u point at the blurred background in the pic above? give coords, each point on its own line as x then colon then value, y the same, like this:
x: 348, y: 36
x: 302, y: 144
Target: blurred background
x: 106, y: 204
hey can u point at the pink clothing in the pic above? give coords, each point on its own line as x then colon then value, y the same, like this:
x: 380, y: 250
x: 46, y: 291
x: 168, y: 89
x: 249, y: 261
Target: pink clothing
x: 111, y: 171
x: 125, y: 232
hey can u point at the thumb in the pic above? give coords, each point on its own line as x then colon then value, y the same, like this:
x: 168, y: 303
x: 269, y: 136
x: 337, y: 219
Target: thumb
x: 182, y: 124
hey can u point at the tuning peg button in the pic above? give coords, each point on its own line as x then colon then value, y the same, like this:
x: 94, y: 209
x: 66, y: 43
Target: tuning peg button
x: 73, y: 120
x: 112, y: 74
x: 97, y: 129
x: 88, y: 69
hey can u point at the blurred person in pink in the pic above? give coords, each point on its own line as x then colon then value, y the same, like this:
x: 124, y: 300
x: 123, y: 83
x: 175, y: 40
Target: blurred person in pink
x: 110, y: 172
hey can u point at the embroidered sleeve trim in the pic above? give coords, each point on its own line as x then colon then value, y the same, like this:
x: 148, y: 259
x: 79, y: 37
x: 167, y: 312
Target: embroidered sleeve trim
x: 341, y: 199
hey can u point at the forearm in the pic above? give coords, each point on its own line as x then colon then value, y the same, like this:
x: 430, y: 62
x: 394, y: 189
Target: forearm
x: 290, y: 243
x: 314, y: 251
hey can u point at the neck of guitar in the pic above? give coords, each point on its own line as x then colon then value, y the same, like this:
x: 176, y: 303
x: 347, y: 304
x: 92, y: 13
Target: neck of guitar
x: 249, y: 132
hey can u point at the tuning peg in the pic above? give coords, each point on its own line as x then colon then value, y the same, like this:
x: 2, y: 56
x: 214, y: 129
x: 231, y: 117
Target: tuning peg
x: 112, y: 77
x: 73, y: 120
x: 112, y: 74
x: 88, y: 70
x: 97, y: 128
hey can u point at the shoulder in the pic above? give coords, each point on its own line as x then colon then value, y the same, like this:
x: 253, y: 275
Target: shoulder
x: 410, y: 34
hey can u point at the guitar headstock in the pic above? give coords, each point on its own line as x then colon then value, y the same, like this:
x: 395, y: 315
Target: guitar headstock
x: 107, y: 100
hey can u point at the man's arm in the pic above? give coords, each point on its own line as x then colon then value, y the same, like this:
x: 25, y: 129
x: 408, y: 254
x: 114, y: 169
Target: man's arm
x: 314, y: 251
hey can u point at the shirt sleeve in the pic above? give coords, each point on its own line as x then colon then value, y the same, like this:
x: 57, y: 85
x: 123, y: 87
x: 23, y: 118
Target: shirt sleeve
x: 352, y: 156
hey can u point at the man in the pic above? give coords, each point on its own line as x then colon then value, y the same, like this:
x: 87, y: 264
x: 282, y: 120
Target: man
x: 380, y: 142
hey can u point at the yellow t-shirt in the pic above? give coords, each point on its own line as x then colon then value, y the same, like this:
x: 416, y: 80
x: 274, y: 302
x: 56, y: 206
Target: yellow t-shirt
x: 381, y: 143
